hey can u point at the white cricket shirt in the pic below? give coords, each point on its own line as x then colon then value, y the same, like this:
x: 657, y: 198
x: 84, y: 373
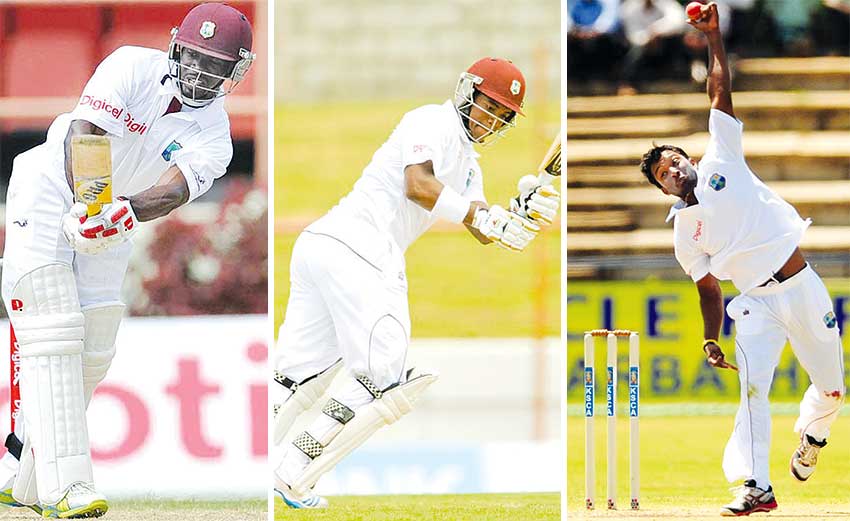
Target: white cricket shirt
x: 377, y: 209
x: 127, y: 97
x: 740, y: 230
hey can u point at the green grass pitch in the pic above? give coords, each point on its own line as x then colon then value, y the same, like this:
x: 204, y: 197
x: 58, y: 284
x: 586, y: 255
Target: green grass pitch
x: 681, y: 475
x: 467, y: 507
x: 169, y: 510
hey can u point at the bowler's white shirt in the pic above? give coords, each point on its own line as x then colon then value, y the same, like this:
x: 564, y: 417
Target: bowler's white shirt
x: 377, y: 209
x: 740, y: 230
x: 127, y: 97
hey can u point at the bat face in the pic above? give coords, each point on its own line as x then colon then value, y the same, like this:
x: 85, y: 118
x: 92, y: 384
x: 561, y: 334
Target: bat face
x: 91, y: 161
x: 551, y: 163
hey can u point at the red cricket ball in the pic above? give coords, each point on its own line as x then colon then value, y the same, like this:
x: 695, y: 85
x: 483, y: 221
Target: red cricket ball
x: 694, y: 10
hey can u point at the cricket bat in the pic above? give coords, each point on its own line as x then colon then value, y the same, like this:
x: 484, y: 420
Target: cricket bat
x: 548, y: 171
x: 550, y: 167
x: 91, y: 160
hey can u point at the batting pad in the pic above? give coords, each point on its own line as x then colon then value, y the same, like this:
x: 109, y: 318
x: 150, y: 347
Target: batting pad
x: 392, y: 405
x: 50, y: 327
x: 99, y: 348
x: 24, y: 489
x: 304, y: 395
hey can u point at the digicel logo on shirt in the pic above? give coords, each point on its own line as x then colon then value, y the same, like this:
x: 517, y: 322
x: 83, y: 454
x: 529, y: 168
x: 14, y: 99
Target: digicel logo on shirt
x: 116, y: 112
x: 698, y: 233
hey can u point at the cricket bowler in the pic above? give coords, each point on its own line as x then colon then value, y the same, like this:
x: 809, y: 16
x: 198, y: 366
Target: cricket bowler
x: 348, y: 304
x: 728, y: 225
x: 169, y: 139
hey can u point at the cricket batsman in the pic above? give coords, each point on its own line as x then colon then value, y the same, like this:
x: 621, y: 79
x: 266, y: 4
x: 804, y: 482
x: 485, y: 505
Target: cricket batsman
x: 348, y: 302
x: 169, y: 139
x: 728, y: 225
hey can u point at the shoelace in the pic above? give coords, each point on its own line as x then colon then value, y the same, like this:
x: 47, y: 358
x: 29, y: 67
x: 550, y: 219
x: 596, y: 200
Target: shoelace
x: 81, y: 488
x: 746, y: 494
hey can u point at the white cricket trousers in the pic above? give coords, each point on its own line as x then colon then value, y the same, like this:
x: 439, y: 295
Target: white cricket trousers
x: 35, y: 204
x: 799, y: 310
x: 343, y: 306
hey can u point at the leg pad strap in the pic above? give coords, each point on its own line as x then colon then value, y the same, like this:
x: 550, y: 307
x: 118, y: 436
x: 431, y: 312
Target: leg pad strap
x: 304, y: 395
x: 393, y: 404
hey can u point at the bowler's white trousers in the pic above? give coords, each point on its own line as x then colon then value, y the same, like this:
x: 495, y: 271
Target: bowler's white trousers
x: 342, y: 305
x: 799, y: 310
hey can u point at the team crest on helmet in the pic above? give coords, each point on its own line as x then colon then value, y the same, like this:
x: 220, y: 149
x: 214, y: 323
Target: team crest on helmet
x: 207, y: 29
x: 516, y: 86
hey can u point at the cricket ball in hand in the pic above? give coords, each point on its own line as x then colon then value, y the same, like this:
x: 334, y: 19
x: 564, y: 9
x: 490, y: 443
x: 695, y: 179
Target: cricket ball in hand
x: 694, y: 10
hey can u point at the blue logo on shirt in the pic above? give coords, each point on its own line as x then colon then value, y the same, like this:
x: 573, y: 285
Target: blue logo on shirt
x: 171, y: 148
x: 469, y: 176
x: 718, y: 182
x: 829, y: 320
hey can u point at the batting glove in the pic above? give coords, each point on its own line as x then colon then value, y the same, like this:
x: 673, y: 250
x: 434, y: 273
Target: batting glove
x: 505, y: 228
x: 536, y: 201
x: 71, y: 223
x: 115, y: 224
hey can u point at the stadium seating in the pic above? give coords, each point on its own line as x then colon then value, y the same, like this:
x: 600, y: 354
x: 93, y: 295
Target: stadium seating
x: 130, y: 25
x: 796, y: 138
x: 69, y: 41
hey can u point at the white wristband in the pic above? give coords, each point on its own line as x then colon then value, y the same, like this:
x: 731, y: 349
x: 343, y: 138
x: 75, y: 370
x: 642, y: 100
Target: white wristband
x: 451, y: 206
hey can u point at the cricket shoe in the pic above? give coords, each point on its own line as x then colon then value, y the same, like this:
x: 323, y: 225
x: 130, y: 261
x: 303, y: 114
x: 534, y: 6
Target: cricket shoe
x: 292, y: 500
x: 7, y: 500
x: 805, y: 458
x: 80, y: 501
x: 750, y: 499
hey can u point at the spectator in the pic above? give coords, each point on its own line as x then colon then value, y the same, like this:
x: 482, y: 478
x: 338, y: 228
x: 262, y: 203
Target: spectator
x: 654, y: 30
x: 831, y: 27
x: 793, y: 20
x: 594, y: 39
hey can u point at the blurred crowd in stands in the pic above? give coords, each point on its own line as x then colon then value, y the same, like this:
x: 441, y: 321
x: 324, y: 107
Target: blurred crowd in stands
x: 635, y: 42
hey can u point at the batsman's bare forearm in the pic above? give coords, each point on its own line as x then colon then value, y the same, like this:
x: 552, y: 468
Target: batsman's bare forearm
x: 78, y: 127
x: 170, y: 192
x: 719, y: 84
x: 423, y: 188
x: 711, y: 306
x: 421, y: 185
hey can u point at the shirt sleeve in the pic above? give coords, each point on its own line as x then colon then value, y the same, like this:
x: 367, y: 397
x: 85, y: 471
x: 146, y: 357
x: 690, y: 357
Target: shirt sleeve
x: 475, y: 189
x: 107, y: 94
x: 203, y: 160
x: 420, y: 142
x: 693, y: 260
x: 726, y: 136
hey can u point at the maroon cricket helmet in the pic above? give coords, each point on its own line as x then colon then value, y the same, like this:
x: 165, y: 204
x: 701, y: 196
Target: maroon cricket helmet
x: 217, y: 30
x: 501, y: 81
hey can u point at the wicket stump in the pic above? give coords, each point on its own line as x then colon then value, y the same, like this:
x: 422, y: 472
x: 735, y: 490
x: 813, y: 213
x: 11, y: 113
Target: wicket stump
x: 611, y: 408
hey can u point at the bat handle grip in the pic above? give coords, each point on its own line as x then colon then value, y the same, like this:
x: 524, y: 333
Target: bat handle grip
x: 93, y: 209
x: 546, y: 178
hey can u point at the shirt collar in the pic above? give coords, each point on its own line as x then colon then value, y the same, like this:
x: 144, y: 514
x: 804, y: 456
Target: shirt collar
x: 206, y: 116
x: 681, y: 207
x: 676, y: 208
